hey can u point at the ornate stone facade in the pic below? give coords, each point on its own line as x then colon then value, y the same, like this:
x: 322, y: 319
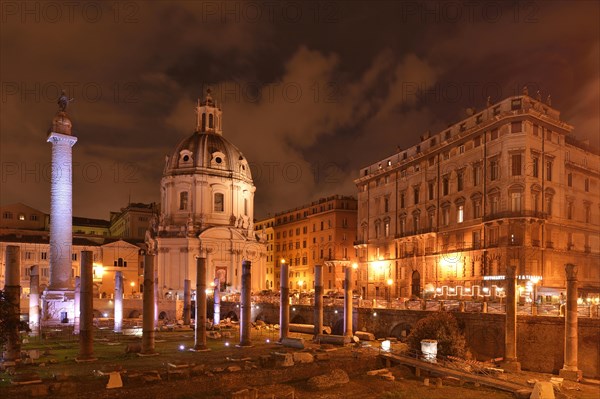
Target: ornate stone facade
x: 207, y: 208
x: 507, y: 185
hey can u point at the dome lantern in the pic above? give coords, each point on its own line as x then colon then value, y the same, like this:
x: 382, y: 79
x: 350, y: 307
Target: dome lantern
x: 209, y: 116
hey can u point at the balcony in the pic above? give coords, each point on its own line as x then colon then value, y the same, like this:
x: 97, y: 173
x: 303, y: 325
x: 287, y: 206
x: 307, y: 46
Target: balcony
x: 515, y: 214
x: 360, y: 243
x: 417, y: 232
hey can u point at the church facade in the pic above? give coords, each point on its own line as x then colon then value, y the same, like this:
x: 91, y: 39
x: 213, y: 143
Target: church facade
x: 207, y: 209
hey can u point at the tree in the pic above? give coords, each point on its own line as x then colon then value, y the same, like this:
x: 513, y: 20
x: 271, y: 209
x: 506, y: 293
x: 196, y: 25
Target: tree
x: 7, y: 326
x: 442, y: 327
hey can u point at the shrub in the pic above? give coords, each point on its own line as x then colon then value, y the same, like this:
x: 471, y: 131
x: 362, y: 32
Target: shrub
x: 442, y: 327
x: 9, y: 327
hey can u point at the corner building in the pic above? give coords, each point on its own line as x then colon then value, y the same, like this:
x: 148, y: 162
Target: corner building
x: 319, y: 233
x: 507, y: 185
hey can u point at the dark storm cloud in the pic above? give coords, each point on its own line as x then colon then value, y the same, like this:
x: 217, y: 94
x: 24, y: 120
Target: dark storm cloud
x: 310, y: 91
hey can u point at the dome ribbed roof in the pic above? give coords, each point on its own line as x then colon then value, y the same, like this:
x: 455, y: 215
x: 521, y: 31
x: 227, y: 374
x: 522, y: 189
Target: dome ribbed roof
x: 206, y: 152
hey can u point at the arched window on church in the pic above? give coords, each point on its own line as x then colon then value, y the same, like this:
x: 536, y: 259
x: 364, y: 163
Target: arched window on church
x: 210, y: 121
x: 219, y: 205
x: 246, y: 206
x: 183, y: 200
x: 203, y: 122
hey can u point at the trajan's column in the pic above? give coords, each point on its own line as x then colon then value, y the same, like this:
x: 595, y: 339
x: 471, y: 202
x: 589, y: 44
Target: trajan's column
x: 58, y: 298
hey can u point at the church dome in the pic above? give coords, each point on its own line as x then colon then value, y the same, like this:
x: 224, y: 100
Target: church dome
x: 207, y: 152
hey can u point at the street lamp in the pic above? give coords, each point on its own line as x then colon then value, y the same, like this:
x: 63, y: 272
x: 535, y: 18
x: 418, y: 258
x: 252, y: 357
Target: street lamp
x: 389, y: 283
x: 132, y: 284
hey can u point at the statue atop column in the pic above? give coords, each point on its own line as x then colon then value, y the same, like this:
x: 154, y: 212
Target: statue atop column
x: 63, y: 101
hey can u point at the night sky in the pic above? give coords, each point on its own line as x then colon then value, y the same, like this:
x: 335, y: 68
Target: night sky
x: 310, y: 92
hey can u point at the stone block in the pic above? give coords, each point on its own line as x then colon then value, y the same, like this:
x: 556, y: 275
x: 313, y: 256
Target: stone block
x: 61, y: 377
x: 250, y: 393
x: 66, y: 388
x: 151, y: 376
x: 303, y: 357
x: 36, y: 391
x: 297, y: 343
x: 114, y: 380
x: 336, y: 377
x: 322, y: 357
x: 378, y: 371
x: 522, y: 394
x: 571, y: 375
x: 266, y: 361
x: 387, y: 376
x: 365, y: 336
x: 542, y: 390
x: 283, y: 359
x: 133, y: 348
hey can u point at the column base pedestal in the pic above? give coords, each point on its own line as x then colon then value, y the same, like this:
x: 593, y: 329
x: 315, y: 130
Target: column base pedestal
x: 511, y: 365
x: 571, y: 375
x: 200, y: 349
x: 58, y: 307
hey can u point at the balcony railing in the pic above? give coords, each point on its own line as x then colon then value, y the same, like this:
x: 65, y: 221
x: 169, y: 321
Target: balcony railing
x: 515, y: 214
x: 417, y: 232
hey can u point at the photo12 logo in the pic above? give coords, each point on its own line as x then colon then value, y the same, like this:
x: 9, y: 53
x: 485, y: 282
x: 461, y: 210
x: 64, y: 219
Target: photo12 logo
x: 88, y: 92
x: 69, y: 12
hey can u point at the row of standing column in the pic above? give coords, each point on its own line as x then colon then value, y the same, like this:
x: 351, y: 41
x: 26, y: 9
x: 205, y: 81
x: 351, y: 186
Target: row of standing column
x: 284, y: 303
x: 85, y: 298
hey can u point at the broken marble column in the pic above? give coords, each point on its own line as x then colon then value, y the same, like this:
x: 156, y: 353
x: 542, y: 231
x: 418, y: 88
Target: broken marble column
x: 86, y: 327
x: 246, y: 304
x: 348, y: 302
x: 570, y: 370
x: 284, y: 302
x: 34, y: 301
x: 200, y: 331
x: 148, y: 306
x: 119, y: 301
x: 318, y: 312
x: 187, y: 302
x: 510, y: 338
x: 77, y: 305
x: 12, y: 290
x: 217, y: 302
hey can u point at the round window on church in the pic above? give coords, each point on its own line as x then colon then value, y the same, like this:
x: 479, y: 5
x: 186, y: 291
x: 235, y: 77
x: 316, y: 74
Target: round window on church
x: 186, y: 158
x: 218, y: 160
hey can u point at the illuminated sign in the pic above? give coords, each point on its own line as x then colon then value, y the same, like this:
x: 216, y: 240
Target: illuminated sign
x: 520, y: 277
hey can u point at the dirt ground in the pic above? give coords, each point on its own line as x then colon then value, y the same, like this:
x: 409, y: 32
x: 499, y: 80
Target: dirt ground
x: 225, y: 369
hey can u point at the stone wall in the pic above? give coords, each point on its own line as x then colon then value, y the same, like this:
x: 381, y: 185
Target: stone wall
x: 540, y: 344
x: 132, y: 308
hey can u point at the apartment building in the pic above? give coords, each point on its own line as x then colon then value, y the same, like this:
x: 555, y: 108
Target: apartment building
x: 265, y: 229
x: 319, y: 233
